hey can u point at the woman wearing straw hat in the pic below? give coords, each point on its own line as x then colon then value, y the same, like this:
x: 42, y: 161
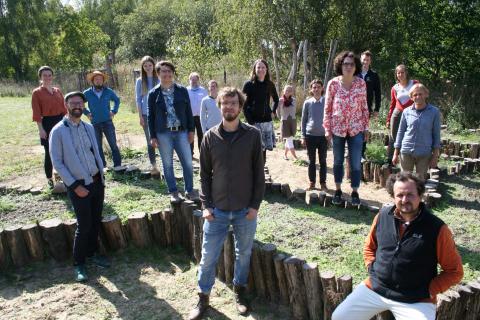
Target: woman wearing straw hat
x: 101, y: 113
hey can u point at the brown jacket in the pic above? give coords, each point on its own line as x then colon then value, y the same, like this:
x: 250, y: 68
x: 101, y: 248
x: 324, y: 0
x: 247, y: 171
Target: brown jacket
x: 231, y: 173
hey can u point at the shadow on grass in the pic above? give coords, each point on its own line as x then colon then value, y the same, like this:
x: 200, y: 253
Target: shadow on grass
x: 348, y: 216
x: 451, y: 184
x: 472, y: 258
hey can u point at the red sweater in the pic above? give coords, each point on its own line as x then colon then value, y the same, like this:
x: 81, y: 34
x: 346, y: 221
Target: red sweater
x: 395, y: 103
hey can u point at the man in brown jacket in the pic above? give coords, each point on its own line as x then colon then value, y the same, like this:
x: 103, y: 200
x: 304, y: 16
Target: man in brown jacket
x: 232, y: 187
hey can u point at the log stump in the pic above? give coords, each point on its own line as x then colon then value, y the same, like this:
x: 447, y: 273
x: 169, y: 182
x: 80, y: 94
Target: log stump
x: 384, y: 174
x: 197, y: 235
x: 313, y: 198
x: 313, y: 286
x: 54, y: 235
x: 167, y: 217
x: 474, y: 305
x: 4, y: 252
x: 221, y: 266
x: 344, y: 286
x: 432, y: 199
x: 296, y: 287
x: 33, y: 241
x: 257, y: 271
x: 112, y: 227
x: 139, y: 230
x: 330, y: 300
x: 276, y: 188
x: 328, y: 200
x: 158, y: 228
x: 268, y: 187
x: 281, y: 276
x: 474, y: 151
x: 376, y: 173
x: 286, y: 191
x: 268, y: 250
x: 177, y: 228
x: 187, y: 226
x: 229, y: 257
x: 70, y: 227
x: 300, y: 195
x: 321, y: 198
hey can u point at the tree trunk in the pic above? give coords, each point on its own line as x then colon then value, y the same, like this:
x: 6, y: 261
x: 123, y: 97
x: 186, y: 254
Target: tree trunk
x: 268, y: 250
x: 257, y: 271
x: 306, y: 72
x: 281, y: 276
x: 296, y: 287
x: 139, y: 230
x: 53, y: 233
x: 113, y: 230
x: 313, y: 286
x: 292, y: 77
x: 33, y: 241
x: 331, y: 56
x: 275, y: 66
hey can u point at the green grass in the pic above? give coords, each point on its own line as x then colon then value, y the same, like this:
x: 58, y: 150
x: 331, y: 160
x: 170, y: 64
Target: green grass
x: 465, y: 137
x: 6, y: 205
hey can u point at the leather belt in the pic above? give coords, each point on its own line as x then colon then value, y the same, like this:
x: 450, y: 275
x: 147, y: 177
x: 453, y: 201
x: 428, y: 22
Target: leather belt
x: 179, y: 128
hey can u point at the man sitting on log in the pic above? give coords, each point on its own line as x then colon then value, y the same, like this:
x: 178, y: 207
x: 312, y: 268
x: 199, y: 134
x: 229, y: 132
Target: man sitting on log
x: 232, y: 186
x: 75, y: 156
x: 401, y: 252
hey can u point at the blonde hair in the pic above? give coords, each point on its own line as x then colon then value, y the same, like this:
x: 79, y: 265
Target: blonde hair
x: 418, y: 86
x: 286, y: 87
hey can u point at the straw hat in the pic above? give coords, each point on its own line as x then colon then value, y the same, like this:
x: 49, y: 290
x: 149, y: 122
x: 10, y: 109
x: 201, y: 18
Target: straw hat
x: 95, y: 73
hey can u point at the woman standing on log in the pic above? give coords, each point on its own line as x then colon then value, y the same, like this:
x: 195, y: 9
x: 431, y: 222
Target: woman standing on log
x: 400, y: 101
x: 144, y: 84
x: 48, y: 109
x: 346, y: 120
x: 287, y: 108
x: 259, y: 90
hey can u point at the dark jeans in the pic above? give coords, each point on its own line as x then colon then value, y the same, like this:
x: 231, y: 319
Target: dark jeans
x: 198, y: 128
x: 150, y: 149
x: 88, y: 211
x: 394, y: 124
x: 314, y: 144
x: 355, y: 157
x: 108, y: 129
x: 48, y: 122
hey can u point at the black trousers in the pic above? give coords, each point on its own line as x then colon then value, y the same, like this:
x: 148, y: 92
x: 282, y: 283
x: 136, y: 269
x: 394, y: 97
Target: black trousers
x: 317, y: 144
x: 198, y: 128
x: 48, y: 122
x: 88, y: 211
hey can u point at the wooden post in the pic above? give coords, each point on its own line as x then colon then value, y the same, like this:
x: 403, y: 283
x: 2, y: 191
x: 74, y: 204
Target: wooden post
x: 281, y: 277
x: 229, y: 257
x: 268, y: 250
x: 321, y: 198
x: 474, y: 306
x: 384, y: 174
x: 447, y: 305
x: 432, y: 199
x: 300, y: 195
x: 466, y: 300
x: 257, y: 271
x: 187, y: 226
x: 53, y: 233
x: 313, y: 285
x: 276, y: 188
x: 70, y: 226
x: 328, y: 200
x: 221, y: 266
x: 176, y: 224
x: 112, y: 227
x: 138, y: 228
x: 286, y: 191
x: 329, y: 286
x: 313, y: 198
x: 4, y: 252
x: 376, y: 173
x: 167, y: 219
x: 344, y: 286
x: 158, y: 228
x: 296, y: 287
x: 33, y: 241
x: 198, y: 235
x: 366, y: 171
x: 268, y: 187
x: 17, y: 246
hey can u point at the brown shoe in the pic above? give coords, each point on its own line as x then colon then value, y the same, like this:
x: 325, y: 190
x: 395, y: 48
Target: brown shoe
x: 323, y: 187
x: 240, y: 299
x: 311, y: 186
x: 202, y: 306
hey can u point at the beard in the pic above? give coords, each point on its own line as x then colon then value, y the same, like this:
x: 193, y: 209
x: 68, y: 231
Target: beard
x: 76, y: 113
x: 230, y: 116
x: 98, y: 87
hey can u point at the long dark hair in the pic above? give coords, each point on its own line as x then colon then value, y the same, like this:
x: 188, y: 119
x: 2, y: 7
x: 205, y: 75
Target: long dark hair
x: 144, y: 74
x: 253, y: 75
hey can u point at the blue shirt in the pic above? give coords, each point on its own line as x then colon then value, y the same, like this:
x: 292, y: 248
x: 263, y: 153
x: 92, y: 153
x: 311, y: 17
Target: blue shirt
x: 140, y: 98
x: 172, y: 119
x: 100, y: 107
x: 419, y: 131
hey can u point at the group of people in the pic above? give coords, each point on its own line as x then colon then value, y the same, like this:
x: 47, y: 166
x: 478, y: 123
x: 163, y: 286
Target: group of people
x: 402, y: 250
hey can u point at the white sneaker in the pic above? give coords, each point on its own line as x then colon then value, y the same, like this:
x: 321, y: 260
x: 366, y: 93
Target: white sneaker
x: 192, y: 195
x: 174, y: 197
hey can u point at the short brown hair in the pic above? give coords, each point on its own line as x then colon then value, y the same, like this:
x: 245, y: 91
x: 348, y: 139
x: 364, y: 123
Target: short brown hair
x: 418, y: 86
x: 405, y: 176
x: 44, y: 68
x: 367, y: 53
x: 315, y: 81
x: 164, y: 63
x: 337, y: 63
x: 231, y: 92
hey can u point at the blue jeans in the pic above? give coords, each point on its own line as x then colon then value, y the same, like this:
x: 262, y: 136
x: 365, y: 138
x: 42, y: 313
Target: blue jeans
x: 150, y: 149
x: 108, y: 129
x: 214, y: 234
x: 355, y: 145
x: 178, y: 141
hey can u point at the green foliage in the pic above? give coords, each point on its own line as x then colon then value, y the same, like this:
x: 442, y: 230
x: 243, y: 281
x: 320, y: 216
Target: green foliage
x: 375, y: 152
x: 6, y: 205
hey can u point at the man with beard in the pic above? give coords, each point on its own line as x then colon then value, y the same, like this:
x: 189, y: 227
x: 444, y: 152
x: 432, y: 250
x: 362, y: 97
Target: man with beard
x: 232, y: 187
x: 101, y: 114
x: 401, y: 252
x: 76, y: 158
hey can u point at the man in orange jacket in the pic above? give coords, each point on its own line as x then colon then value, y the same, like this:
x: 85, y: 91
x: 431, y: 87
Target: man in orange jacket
x: 401, y: 252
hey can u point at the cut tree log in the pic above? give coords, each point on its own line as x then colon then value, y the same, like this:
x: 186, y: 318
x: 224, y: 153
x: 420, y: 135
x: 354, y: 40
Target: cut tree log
x: 139, y: 229
x: 296, y: 287
x: 257, y: 271
x: 112, y: 227
x: 432, y: 199
x: 276, y: 188
x: 268, y: 250
x: 286, y: 191
x: 167, y: 217
x: 187, y: 225
x: 70, y: 227
x: 177, y: 228
x: 4, y: 252
x: 313, y: 198
x: 330, y: 299
x: 229, y: 257
x: 197, y: 235
x: 313, y: 286
x: 474, y: 306
x: 221, y: 266
x: 33, y: 241
x: 158, y: 228
x: 54, y: 235
x: 344, y: 286
x: 300, y: 195
x: 384, y: 174
x: 281, y: 276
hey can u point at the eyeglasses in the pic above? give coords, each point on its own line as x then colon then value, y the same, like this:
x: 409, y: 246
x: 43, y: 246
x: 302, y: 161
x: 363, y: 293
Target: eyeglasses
x: 348, y: 64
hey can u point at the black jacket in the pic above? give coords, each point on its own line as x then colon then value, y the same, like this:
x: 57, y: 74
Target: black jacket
x: 403, y: 268
x: 257, y: 105
x: 373, y: 90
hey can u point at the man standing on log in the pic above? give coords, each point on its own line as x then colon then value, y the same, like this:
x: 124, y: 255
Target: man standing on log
x: 232, y: 186
x: 405, y: 244
x: 76, y: 158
